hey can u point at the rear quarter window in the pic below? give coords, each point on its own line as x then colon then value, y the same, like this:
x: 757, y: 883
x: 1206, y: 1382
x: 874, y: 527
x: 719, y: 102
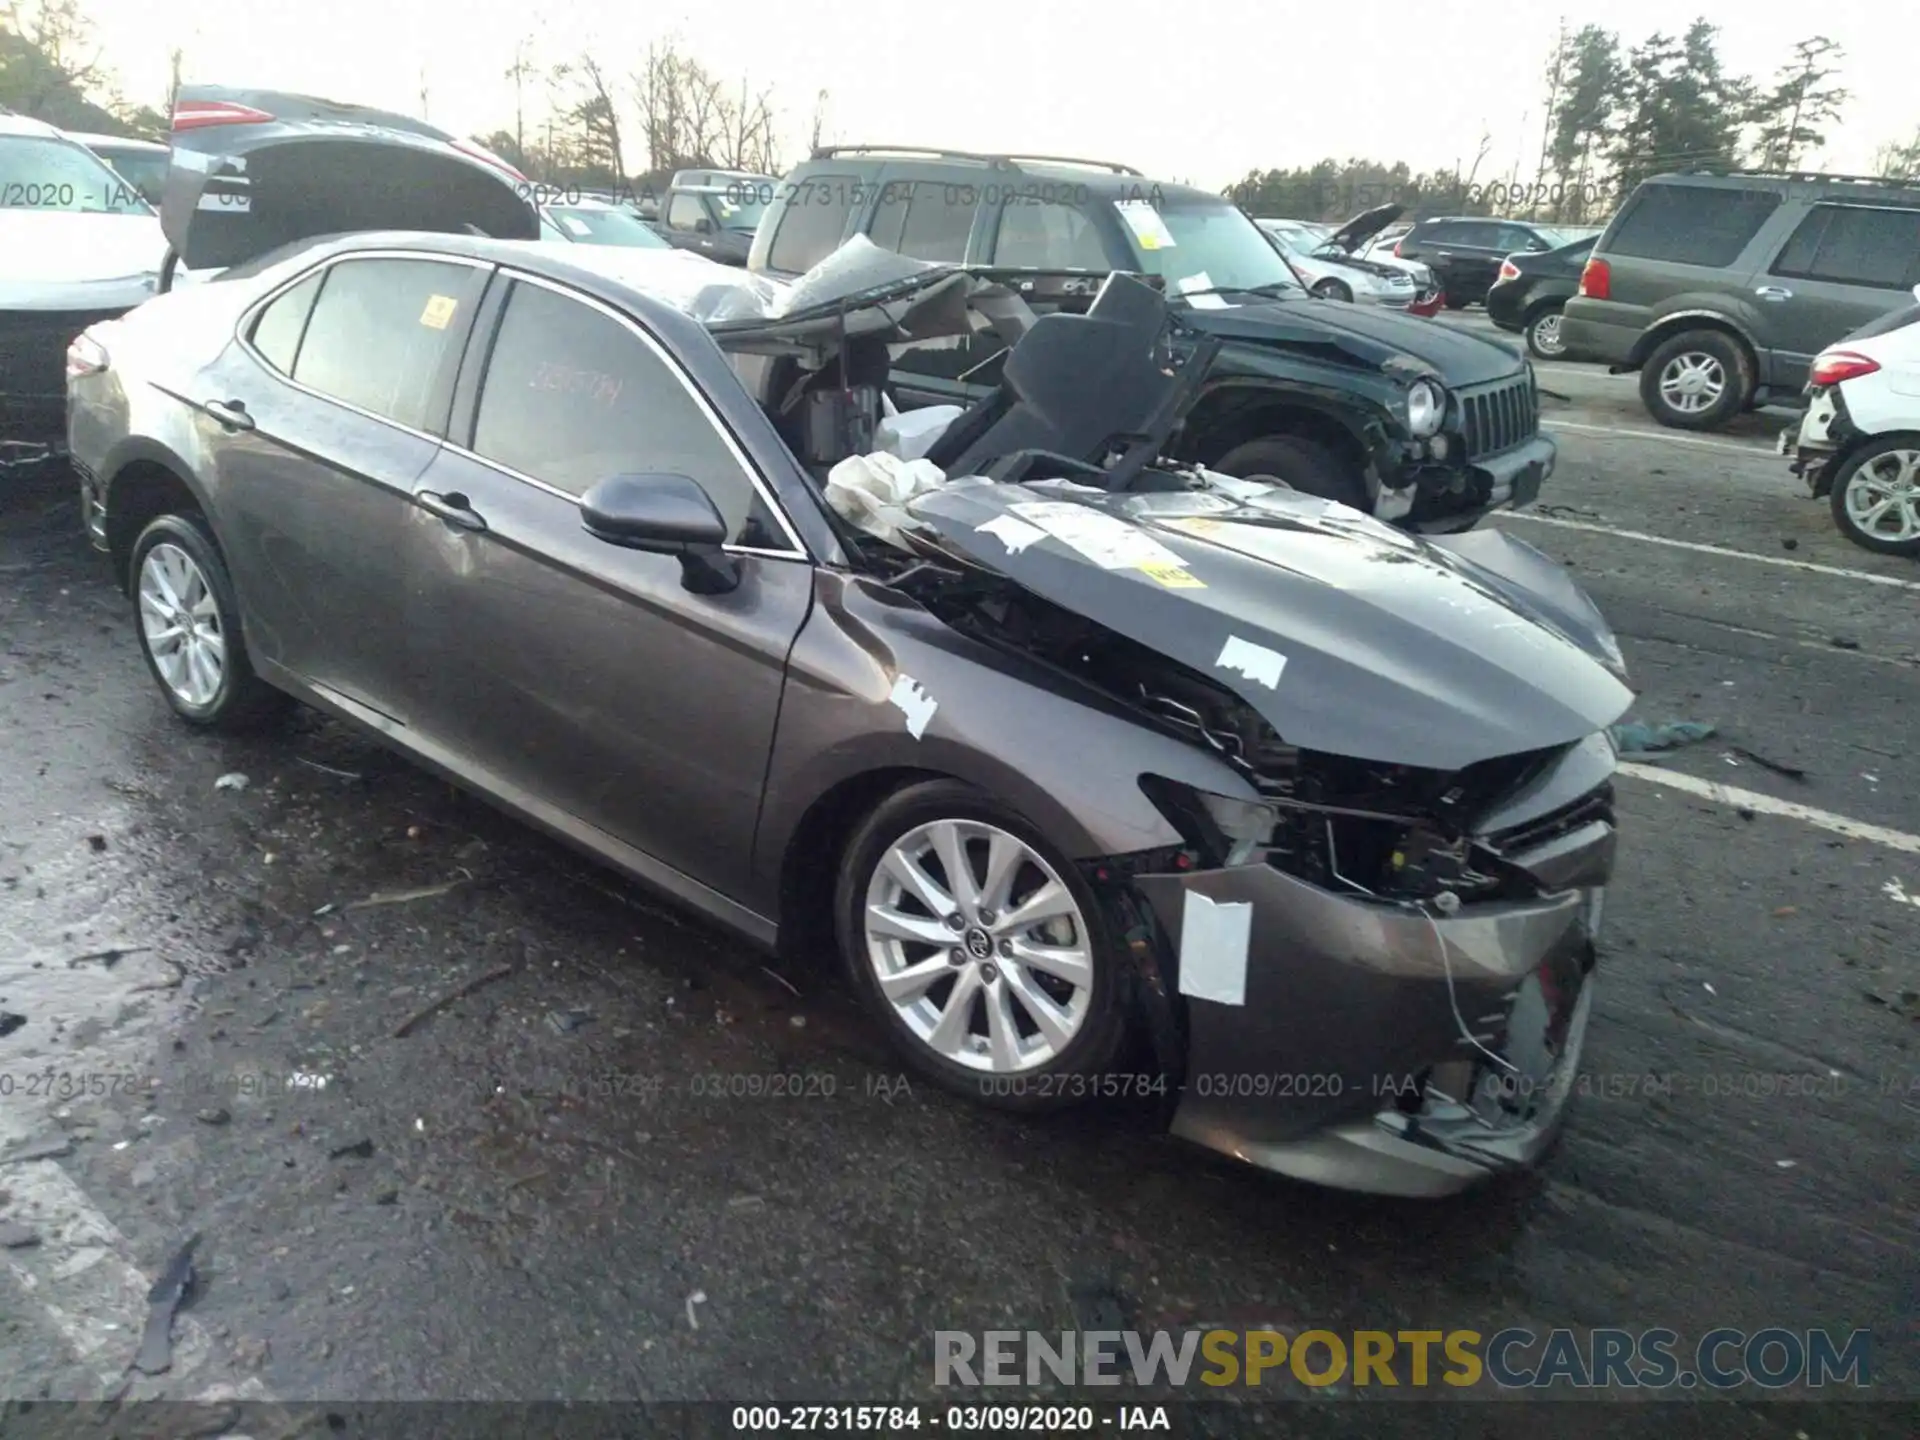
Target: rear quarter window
x: 276, y: 333
x: 1854, y: 245
x: 1690, y: 224
x: 813, y: 220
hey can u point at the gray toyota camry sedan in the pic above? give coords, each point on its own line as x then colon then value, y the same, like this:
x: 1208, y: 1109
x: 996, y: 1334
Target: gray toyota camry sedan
x: 1099, y: 775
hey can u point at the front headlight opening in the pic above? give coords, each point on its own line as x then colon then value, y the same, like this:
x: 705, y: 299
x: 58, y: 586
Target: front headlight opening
x: 1425, y: 408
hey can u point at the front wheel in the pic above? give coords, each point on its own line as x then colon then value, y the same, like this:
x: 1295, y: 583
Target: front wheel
x: 1876, y: 496
x: 980, y: 949
x: 1455, y: 302
x: 1543, y: 334
x: 1333, y: 290
x: 1303, y: 465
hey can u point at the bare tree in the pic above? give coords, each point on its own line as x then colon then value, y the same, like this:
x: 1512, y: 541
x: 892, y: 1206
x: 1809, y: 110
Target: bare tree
x: 815, y: 131
x: 521, y: 71
x: 691, y: 118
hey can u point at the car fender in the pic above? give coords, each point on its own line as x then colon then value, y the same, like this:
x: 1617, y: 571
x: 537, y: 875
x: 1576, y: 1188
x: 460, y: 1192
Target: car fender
x: 878, y: 686
x: 1664, y: 325
x: 1235, y: 409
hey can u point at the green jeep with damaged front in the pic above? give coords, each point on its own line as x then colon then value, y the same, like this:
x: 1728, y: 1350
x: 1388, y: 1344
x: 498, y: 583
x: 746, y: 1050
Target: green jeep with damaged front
x: 1408, y: 419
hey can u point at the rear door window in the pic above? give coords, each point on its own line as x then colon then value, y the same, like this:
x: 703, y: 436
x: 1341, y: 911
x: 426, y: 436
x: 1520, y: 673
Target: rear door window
x: 1854, y: 245
x: 1691, y: 224
x: 813, y: 220
x: 938, y: 219
x: 1474, y: 234
x: 381, y: 331
x: 1047, y: 235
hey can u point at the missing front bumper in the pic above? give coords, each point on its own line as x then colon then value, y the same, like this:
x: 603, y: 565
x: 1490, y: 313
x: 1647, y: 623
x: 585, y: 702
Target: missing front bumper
x: 1347, y: 1059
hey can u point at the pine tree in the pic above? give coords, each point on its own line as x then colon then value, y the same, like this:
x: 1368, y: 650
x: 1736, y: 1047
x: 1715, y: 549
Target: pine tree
x: 1803, y: 99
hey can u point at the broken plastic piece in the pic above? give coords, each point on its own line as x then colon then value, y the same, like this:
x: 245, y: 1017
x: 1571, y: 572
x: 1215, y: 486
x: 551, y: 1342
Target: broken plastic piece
x: 1631, y: 737
x: 169, y: 1293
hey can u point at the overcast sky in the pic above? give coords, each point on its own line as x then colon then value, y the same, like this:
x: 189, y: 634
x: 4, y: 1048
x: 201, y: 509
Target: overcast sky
x: 1201, y: 90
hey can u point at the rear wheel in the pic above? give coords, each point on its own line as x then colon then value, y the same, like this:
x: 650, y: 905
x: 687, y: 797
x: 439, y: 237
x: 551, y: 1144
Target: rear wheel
x: 1305, y: 465
x: 189, y: 626
x: 1876, y: 496
x: 1698, y: 380
x: 1454, y: 302
x: 1543, y: 334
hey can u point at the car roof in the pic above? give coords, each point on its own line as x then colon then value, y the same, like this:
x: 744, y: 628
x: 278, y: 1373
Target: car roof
x: 25, y: 125
x: 125, y: 142
x: 585, y: 202
x: 1098, y: 179
x: 1804, y: 184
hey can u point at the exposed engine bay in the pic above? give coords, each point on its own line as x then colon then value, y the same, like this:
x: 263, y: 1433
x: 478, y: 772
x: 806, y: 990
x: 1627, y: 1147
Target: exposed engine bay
x: 1393, y: 831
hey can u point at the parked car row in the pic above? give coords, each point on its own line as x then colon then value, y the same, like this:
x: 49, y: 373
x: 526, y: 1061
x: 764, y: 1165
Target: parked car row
x: 1089, y: 735
x: 1329, y: 263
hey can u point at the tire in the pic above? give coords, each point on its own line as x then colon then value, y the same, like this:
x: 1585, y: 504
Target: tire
x: 176, y: 568
x: 1307, y: 466
x: 1453, y: 302
x: 1089, y: 1021
x: 1725, y: 375
x: 1543, y: 333
x: 1333, y: 290
x: 1886, y: 471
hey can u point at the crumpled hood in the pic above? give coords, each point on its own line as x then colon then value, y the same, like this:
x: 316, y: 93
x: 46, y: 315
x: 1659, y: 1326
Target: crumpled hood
x: 1377, y: 337
x: 1347, y: 635
x: 57, y: 260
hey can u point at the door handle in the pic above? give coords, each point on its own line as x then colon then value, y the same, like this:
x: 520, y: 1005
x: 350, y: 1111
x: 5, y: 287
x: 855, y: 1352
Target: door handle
x: 230, y: 413
x: 1774, y: 292
x: 453, y: 507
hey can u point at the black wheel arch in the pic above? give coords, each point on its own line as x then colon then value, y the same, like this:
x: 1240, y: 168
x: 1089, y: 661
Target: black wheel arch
x: 146, y: 479
x: 1230, y: 413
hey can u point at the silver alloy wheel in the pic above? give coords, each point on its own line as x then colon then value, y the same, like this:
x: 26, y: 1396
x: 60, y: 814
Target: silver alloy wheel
x: 1883, y: 496
x: 1546, y: 333
x: 979, y: 946
x: 180, y: 622
x: 1692, y: 382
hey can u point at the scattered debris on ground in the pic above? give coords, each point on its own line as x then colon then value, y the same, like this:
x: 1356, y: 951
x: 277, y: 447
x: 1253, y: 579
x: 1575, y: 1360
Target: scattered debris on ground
x: 1792, y: 772
x: 10, y: 1022
x: 232, y: 780
x: 402, y: 897
x: 219, y: 1115
x: 169, y: 1293
x: 460, y: 992
x: 565, y: 1022
x: 361, y: 1149
x: 14, y: 1236
x: 54, y: 1149
x: 1632, y: 737
x: 698, y: 1297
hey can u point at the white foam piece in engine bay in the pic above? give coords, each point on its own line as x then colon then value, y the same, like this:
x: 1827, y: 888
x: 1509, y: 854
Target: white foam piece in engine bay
x: 1214, y: 939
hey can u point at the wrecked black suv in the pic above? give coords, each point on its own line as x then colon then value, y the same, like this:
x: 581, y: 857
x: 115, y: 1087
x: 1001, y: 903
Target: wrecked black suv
x: 1417, y: 423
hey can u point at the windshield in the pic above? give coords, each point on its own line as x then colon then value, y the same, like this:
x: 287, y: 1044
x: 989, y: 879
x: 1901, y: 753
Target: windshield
x: 604, y: 227
x: 741, y: 206
x: 145, y: 170
x: 41, y: 174
x: 1203, y: 245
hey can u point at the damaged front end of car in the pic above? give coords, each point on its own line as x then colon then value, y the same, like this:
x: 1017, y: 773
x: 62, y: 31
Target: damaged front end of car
x: 1369, y: 958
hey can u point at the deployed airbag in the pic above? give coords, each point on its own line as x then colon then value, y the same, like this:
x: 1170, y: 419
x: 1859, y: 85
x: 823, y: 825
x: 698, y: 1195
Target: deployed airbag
x: 871, y: 491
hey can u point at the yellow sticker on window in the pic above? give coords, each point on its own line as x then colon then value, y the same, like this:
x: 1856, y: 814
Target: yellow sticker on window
x: 1173, y: 577
x: 1149, y: 242
x: 439, y: 311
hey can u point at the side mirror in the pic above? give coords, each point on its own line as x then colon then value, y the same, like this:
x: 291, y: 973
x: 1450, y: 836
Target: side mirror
x: 665, y: 515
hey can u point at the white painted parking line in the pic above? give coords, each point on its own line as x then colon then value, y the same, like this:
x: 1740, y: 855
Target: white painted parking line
x: 1703, y: 549
x: 1767, y: 805
x: 1666, y: 437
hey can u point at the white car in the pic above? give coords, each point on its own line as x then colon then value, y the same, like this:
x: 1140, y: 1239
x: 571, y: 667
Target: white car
x: 1322, y: 256
x: 77, y: 245
x: 1859, y: 441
